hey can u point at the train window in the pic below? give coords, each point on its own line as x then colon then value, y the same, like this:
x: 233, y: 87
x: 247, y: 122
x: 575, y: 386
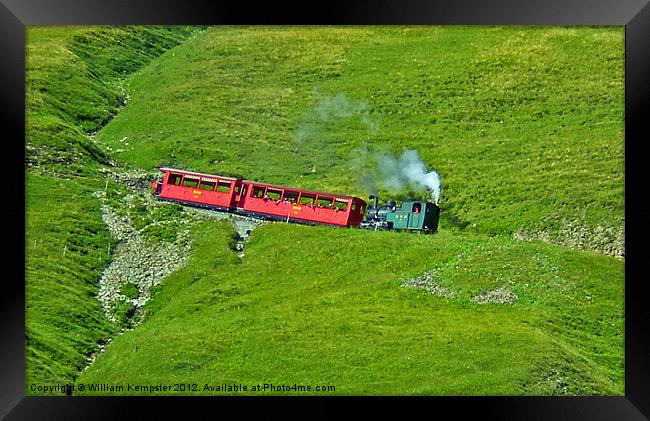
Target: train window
x: 290, y: 196
x: 273, y: 194
x: 258, y: 191
x: 341, y: 204
x: 207, y: 185
x: 223, y: 186
x: 236, y: 189
x: 174, y: 179
x: 362, y: 210
x: 190, y: 182
x: 324, y: 202
x: 416, y: 208
x: 354, y: 206
x: 307, y: 199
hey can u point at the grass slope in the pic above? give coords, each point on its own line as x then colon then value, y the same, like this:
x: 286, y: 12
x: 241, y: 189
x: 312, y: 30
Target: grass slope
x: 525, y: 126
x: 73, y: 88
x: 67, y: 247
x: 74, y: 77
x: 339, y: 317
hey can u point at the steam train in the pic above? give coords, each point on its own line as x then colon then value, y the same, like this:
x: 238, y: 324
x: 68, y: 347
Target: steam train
x: 272, y: 202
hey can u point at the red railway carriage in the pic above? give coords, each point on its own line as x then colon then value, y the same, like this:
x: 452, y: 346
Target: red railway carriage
x: 259, y: 199
x: 192, y: 187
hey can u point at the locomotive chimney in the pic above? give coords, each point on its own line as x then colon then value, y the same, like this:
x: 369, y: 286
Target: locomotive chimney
x: 376, y: 202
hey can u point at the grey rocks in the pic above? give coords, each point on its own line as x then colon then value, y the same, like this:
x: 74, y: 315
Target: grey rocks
x: 427, y: 282
x: 608, y: 240
x: 137, y: 261
x: 140, y: 261
x: 500, y: 295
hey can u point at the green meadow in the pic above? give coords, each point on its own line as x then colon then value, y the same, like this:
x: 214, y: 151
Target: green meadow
x: 524, y: 124
x: 286, y: 315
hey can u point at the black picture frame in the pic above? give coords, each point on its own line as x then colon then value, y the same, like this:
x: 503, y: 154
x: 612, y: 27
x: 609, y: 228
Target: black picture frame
x: 15, y: 15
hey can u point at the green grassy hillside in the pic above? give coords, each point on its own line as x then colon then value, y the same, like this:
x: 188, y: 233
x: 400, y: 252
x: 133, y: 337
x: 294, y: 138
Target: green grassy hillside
x: 524, y: 124
x: 73, y: 88
x: 67, y: 246
x: 339, y: 317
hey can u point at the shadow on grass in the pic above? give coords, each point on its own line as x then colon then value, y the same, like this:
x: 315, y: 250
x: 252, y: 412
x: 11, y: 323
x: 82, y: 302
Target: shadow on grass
x: 453, y: 220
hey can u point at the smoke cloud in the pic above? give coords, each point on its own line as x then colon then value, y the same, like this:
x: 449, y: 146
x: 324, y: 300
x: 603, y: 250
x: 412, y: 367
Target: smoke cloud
x: 338, y: 107
x: 396, y: 173
x: 316, y: 137
x: 323, y: 127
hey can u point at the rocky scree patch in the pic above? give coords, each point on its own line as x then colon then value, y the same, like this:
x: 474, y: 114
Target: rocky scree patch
x: 500, y: 295
x: 427, y: 282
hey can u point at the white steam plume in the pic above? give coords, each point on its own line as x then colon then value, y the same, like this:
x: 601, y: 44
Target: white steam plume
x: 323, y: 126
x: 397, y: 173
x: 339, y: 107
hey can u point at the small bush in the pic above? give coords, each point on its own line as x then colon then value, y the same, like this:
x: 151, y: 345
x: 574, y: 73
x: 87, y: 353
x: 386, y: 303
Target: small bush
x: 123, y: 312
x: 129, y: 290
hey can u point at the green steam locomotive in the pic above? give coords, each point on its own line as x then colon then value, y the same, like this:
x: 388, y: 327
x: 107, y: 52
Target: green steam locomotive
x: 413, y: 215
